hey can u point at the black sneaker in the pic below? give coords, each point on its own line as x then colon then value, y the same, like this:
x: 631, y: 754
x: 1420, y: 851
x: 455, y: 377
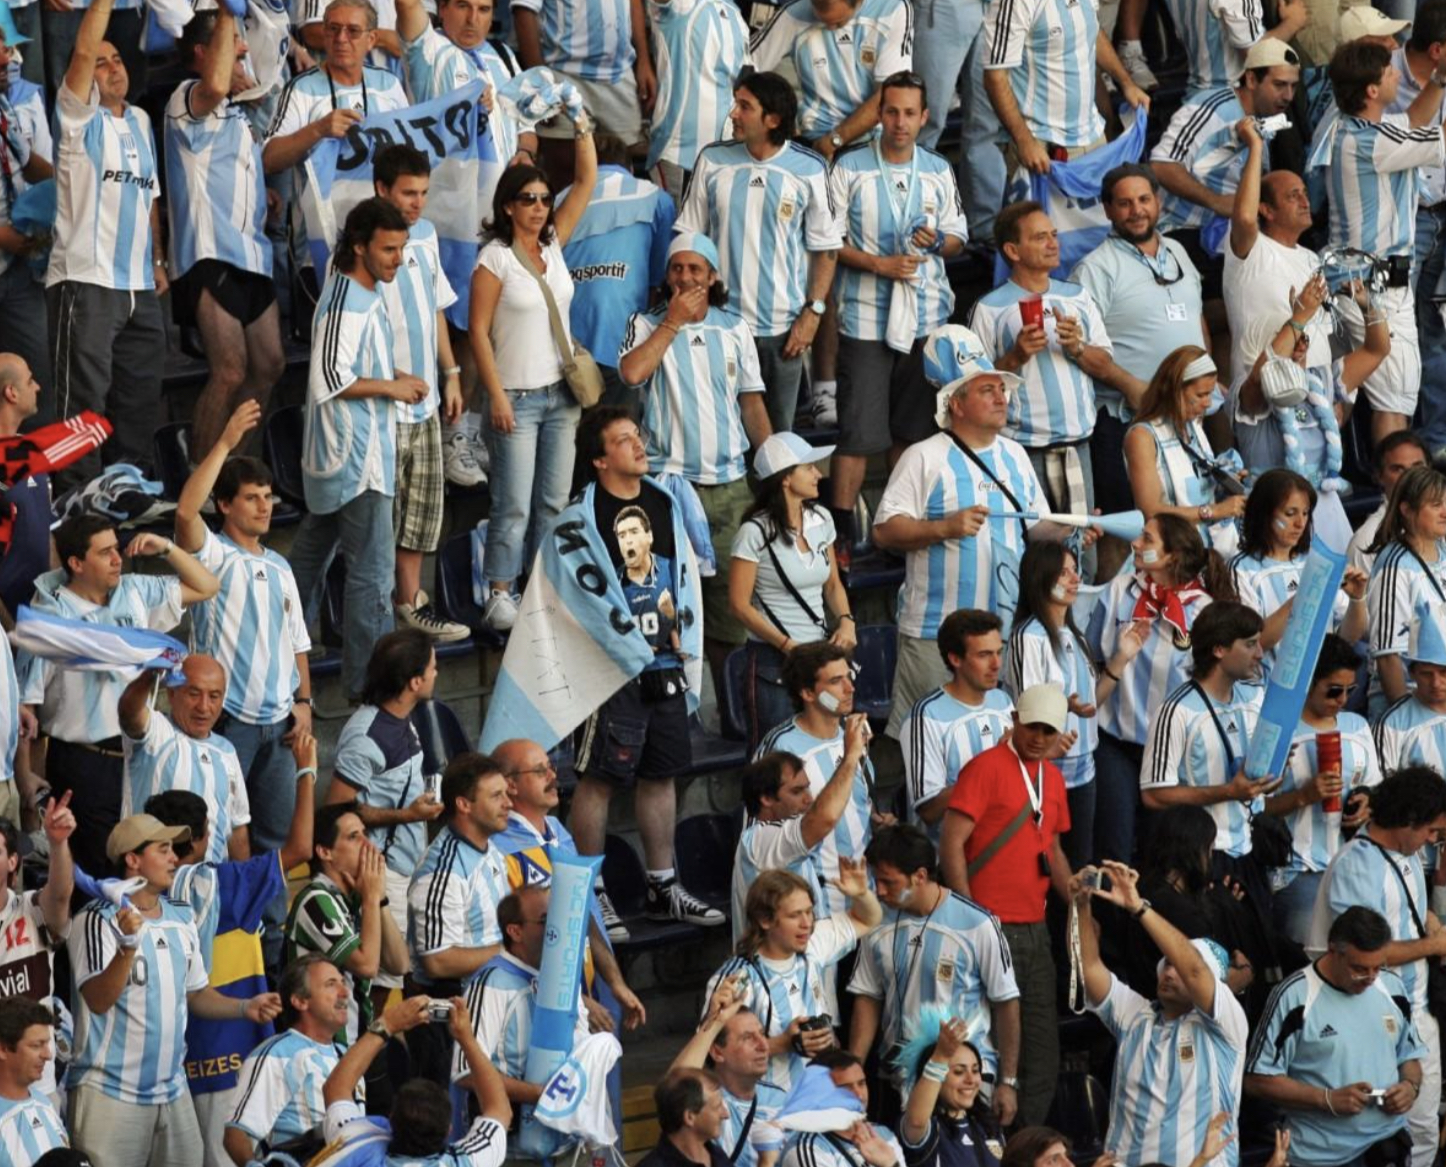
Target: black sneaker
x: 612, y: 923
x: 672, y: 901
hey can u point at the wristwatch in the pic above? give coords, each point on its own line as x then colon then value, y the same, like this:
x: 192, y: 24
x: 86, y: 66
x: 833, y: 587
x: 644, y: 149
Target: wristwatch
x: 379, y: 1027
x: 1012, y: 1083
x: 835, y: 140
x: 818, y: 307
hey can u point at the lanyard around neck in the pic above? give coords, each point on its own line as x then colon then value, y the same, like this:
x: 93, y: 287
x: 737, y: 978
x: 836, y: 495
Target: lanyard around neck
x: 331, y: 84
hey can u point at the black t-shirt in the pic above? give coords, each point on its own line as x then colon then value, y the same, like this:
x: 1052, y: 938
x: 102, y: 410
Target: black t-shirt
x: 667, y: 1155
x: 638, y: 533
x: 654, y: 503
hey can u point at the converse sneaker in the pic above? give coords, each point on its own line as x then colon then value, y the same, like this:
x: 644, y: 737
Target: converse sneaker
x: 612, y: 923
x: 501, y: 611
x: 459, y: 462
x: 672, y: 901
x: 423, y: 616
x: 1132, y: 57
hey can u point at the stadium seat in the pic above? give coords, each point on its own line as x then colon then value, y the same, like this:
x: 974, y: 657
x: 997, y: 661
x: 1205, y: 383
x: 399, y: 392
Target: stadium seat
x: 281, y: 441
x: 876, y: 654
x: 441, y: 734
x: 733, y: 701
x: 452, y: 591
x: 627, y: 884
x: 703, y: 846
x: 170, y: 445
x: 1081, y: 1111
x: 713, y: 754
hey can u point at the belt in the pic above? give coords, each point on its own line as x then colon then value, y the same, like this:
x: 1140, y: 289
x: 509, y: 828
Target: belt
x: 103, y: 748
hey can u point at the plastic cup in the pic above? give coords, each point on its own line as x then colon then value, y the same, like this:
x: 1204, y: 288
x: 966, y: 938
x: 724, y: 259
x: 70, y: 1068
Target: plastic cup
x: 1031, y: 311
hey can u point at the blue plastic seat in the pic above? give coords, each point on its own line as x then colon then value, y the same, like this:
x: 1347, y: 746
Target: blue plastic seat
x: 281, y: 442
x: 627, y: 884
x: 452, y: 590
x: 170, y: 446
x: 441, y: 734
x: 734, y: 699
x: 704, y: 847
x: 876, y: 654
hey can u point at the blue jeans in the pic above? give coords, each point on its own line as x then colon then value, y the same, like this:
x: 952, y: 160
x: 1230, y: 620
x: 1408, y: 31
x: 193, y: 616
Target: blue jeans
x: 362, y: 530
x: 1430, y: 271
x: 982, y: 175
x: 782, y: 379
x: 270, y: 771
x: 530, y: 475
x: 1117, y: 797
x: 1294, y: 904
x: 1079, y: 842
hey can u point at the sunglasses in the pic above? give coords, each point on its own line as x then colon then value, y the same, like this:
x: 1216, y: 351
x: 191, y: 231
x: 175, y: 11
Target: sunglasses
x: 529, y: 198
x: 1335, y: 692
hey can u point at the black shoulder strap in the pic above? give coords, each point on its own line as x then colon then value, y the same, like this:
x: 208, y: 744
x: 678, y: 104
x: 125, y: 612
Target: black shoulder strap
x: 1219, y: 728
x: 994, y: 478
x: 762, y: 980
x: 788, y: 586
x: 1431, y: 575
x: 746, y: 1127
x: 1405, y: 888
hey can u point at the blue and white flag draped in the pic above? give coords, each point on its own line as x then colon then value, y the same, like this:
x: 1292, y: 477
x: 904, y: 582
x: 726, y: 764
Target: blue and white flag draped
x: 339, y: 176
x: 1070, y: 195
x: 78, y: 644
x: 575, y: 642
x: 537, y: 94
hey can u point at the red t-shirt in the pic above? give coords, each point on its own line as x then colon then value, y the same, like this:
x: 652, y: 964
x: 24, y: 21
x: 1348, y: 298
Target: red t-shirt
x: 991, y: 791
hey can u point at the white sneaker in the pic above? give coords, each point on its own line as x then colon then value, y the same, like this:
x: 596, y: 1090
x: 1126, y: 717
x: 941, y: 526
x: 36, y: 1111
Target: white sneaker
x: 1132, y: 57
x: 825, y: 406
x: 459, y: 463
x: 421, y: 615
x: 500, y: 611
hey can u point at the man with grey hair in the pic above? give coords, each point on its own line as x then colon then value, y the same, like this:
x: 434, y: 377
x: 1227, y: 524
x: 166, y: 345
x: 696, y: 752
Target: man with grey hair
x: 281, y: 1080
x: 326, y: 101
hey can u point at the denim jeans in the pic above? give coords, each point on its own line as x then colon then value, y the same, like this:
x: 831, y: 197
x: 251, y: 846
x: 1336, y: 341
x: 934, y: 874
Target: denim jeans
x: 362, y: 530
x: 1293, y: 905
x: 1430, y: 271
x: 782, y: 379
x: 270, y: 771
x: 982, y: 174
x: 530, y: 475
x: 1079, y: 841
x: 1117, y: 797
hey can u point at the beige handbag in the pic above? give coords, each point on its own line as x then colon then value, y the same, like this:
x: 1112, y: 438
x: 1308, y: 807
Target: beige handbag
x: 579, y: 370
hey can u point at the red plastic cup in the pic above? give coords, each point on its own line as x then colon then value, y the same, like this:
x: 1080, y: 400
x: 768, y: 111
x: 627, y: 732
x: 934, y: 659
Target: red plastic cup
x: 1328, y: 757
x: 1031, y: 311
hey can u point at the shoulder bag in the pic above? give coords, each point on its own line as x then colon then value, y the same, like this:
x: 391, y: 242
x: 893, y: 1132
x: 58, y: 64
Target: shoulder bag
x: 579, y: 370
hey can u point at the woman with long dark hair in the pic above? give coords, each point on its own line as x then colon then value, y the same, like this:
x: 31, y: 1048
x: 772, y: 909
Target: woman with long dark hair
x: 783, y: 578
x: 947, y: 1106
x: 1046, y: 647
x: 1275, y: 536
x: 532, y: 414
x: 1175, y: 578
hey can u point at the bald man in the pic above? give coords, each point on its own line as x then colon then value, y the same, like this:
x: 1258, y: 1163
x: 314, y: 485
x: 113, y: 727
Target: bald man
x: 181, y: 752
x: 533, y: 836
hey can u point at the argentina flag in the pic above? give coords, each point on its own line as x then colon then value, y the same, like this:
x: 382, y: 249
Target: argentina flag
x: 339, y: 176
x: 575, y: 642
x: 79, y: 644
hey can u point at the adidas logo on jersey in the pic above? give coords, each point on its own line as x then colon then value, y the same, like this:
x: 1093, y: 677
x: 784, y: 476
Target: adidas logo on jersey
x: 845, y: 37
x: 757, y: 180
x: 260, y: 573
x: 1328, y: 1031
x: 699, y: 342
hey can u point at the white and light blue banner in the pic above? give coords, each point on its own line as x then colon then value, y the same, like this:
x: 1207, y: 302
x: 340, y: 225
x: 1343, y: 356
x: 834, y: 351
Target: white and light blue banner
x: 339, y: 176
x: 80, y: 644
x: 575, y: 642
x: 1295, y: 660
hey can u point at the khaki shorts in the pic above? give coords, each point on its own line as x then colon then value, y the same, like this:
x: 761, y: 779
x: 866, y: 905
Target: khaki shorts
x: 417, y: 511
x: 919, y: 672
x: 397, y: 885
x: 612, y: 104
x: 10, y: 802
x: 725, y: 507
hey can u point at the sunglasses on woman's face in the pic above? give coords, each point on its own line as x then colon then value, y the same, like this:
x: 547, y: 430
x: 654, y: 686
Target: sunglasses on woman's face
x: 1336, y: 692
x: 530, y: 198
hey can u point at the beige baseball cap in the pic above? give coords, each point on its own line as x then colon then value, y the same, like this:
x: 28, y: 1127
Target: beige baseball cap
x: 1043, y: 705
x: 1363, y: 20
x: 1270, y: 51
x: 135, y: 832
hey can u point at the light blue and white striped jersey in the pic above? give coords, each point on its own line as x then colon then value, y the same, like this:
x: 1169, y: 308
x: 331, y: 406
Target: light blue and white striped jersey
x: 255, y: 628
x: 1409, y: 734
x: 1400, y: 580
x: 280, y: 1083
x: 699, y: 50
x: 1433, y: 178
x: 10, y: 702
x: 135, y: 1051
x: 850, y: 839
x: 1374, y: 178
x: 765, y: 1103
x: 879, y: 202
x: 1172, y: 1077
x: 1316, y: 834
x: 1048, y: 46
x: 776, y: 846
x: 500, y: 999
x: 955, y: 958
x: 1319, y: 1036
x: 435, y: 67
x: 215, y: 189
x: 311, y: 95
x: 802, y: 986
x: 1366, y: 874
x: 833, y: 1150
x: 1217, y: 34
x: 1033, y: 661
x: 164, y: 758
x: 453, y: 897
x: 413, y: 299
x: 1267, y: 584
x: 765, y: 218
x: 1201, y: 138
x: 1186, y: 747
x: 106, y: 180
x: 934, y: 478
x: 691, y: 405
x: 838, y: 68
x: 15, y: 144
x: 483, y: 1145
x: 29, y: 1128
x: 1153, y: 675
x: 349, y: 445
x: 1056, y: 403
x: 590, y: 39
x: 940, y: 734
x: 79, y: 705
x: 381, y: 756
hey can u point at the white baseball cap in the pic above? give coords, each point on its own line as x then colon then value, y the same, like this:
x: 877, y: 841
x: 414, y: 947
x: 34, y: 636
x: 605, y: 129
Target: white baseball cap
x: 1043, y: 705
x: 1363, y: 20
x: 785, y: 451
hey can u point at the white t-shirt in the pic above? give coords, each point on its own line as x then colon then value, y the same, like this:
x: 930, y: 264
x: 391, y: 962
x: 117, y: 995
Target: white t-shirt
x: 1259, y: 286
x: 522, y: 344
